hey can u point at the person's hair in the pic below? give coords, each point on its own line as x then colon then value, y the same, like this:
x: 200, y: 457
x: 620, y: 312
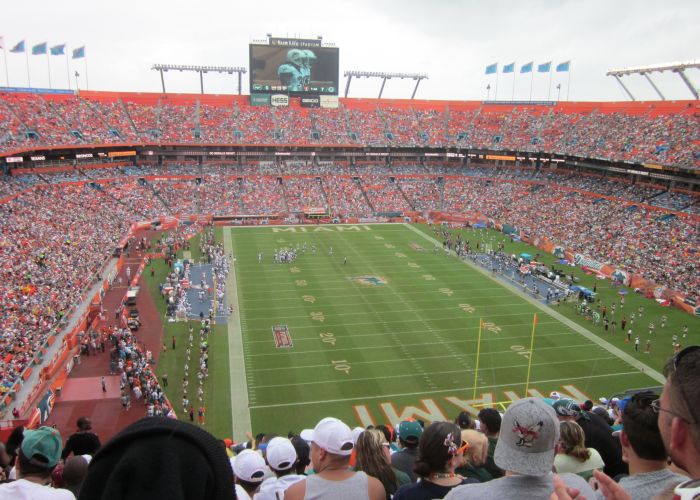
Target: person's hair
x: 587, y: 405
x: 84, y: 424
x: 248, y: 485
x: 372, y: 460
x: 14, y: 440
x: 433, y: 452
x: 572, y: 437
x: 491, y: 418
x: 684, y: 388
x: 464, y: 420
x: 603, y: 413
x: 388, y: 435
x: 27, y: 467
x: 641, y: 426
x: 303, y: 452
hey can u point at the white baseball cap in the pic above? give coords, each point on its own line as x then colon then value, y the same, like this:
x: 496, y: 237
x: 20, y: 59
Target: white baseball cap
x: 249, y: 466
x: 280, y: 453
x: 356, y: 434
x: 331, y: 435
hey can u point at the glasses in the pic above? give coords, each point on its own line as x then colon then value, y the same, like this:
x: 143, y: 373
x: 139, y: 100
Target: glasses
x: 465, y: 446
x: 676, y: 364
x: 656, y: 406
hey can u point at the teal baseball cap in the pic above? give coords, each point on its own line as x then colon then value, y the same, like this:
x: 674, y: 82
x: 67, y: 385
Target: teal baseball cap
x: 410, y: 429
x: 42, y: 447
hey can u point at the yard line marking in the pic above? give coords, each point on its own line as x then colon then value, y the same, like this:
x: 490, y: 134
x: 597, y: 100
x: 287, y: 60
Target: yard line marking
x: 240, y: 412
x: 642, y: 367
x: 454, y: 390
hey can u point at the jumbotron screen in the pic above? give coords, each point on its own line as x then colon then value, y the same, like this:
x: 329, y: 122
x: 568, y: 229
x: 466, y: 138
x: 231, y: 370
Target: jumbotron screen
x: 294, y: 70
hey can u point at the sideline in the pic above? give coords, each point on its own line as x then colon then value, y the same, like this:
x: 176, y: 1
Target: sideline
x: 635, y: 363
x: 240, y: 412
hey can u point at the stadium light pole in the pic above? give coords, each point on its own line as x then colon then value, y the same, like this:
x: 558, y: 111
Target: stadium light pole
x: 162, y: 68
x: 676, y: 67
x: 384, y: 76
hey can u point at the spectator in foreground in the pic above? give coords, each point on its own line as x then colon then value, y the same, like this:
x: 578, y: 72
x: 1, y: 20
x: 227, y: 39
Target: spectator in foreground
x: 525, y: 451
x: 250, y: 469
x: 303, y: 454
x: 159, y: 457
x: 572, y: 454
x: 74, y: 472
x: 475, y: 456
x: 490, y: 425
x: 374, y: 458
x: 643, y: 449
x: 82, y: 442
x: 331, y: 447
x: 598, y: 434
x: 409, y: 432
x: 281, y: 458
x: 37, y: 457
x: 440, y: 452
x: 678, y: 421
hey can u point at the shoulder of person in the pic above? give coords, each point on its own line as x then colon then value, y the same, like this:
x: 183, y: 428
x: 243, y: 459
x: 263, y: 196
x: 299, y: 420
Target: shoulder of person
x: 576, y: 481
x: 375, y: 488
x: 297, y: 491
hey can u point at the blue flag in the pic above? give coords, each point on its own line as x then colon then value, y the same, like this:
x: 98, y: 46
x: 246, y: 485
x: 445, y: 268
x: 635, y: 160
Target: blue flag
x: 527, y: 68
x: 544, y: 67
x: 18, y: 48
x: 509, y: 68
x: 39, y: 49
x: 563, y: 66
x: 79, y: 52
x: 58, y: 50
x: 491, y: 68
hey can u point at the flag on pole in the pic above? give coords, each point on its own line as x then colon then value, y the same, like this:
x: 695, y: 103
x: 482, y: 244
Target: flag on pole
x: 509, y: 68
x: 527, y: 68
x: 561, y: 67
x: 79, y: 52
x: 491, y: 68
x: 534, y: 321
x: 39, y: 49
x: 58, y: 50
x: 544, y: 67
x: 19, y: 48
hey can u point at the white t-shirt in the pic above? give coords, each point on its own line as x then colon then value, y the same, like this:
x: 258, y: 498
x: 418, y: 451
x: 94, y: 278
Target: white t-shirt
x: 274, y: 485
x: 26, y: 490
x: 566, y: 463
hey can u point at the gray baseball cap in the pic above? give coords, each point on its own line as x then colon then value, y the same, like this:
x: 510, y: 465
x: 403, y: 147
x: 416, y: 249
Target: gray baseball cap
x: 529, y: 432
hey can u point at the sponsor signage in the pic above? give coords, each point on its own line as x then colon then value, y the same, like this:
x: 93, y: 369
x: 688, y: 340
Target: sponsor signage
x: 83, y: 155
x: 310, y: 102
x: 38, y: 158
x: 259, y: 99
x: 14, y: 159
x: 328, y: 101
x: 279, y: 100
x: 295, y: 42
x: 115, y: 154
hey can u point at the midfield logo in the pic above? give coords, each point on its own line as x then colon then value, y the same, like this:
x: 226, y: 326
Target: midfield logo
x: 369, y: 280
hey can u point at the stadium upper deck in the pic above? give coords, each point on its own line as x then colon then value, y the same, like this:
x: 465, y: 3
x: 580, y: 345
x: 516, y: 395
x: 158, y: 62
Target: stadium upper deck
x: 657, y: 132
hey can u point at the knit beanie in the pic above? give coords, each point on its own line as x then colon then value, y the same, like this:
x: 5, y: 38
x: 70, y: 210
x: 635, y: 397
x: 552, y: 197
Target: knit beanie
x: 160, y: 458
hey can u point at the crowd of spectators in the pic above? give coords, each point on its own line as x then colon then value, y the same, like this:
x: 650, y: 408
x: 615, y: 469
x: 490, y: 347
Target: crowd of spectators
x: 642, y: 445
x: 637, y: 135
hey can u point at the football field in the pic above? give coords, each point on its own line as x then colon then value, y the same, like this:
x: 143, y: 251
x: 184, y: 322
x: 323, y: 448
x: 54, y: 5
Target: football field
x: 370, y: 324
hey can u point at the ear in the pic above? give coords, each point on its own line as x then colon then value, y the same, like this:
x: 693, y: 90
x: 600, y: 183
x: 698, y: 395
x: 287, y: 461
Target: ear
x: 679, y: 433
x: 624, y: 440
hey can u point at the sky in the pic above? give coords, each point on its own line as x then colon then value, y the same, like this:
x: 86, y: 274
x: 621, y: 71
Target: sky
x: 452, y: 41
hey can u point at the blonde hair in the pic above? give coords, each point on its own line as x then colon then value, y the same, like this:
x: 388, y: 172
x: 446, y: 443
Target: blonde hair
x: 572, y: 437
x: 371, y: 459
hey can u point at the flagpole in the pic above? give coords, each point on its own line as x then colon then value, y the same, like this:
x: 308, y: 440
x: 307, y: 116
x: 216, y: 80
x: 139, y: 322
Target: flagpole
x: 48, y: 64
x: 532, y: 81
x: 568, y: 83
x: 87, y: 82
x: 7, y: 74
x: 26, y: 57
x: 495, y: 98
x: 549, y: 90
x: 529, y: 358
x: 478, y: 350
x: 68, y: 71
x: 512, y: 95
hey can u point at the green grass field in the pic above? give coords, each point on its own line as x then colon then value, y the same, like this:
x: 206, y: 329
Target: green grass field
x: 402, y: 341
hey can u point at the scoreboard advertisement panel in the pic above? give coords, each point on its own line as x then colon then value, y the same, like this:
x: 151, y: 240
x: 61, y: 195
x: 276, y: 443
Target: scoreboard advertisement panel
x: 294, y: 69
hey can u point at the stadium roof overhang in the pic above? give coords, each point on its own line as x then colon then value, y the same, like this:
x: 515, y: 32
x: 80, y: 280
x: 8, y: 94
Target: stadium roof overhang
x: 645, y: 71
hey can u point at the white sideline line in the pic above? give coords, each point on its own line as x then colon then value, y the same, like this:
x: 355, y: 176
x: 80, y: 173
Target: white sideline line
x: 240, y: 411
x: 455, y: 390
x: 345, y: 295
x: 450, y: 308
x: 642, y: 367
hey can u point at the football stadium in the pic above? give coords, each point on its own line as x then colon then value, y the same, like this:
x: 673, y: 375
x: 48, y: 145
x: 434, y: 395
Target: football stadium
x: 454, y: 297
